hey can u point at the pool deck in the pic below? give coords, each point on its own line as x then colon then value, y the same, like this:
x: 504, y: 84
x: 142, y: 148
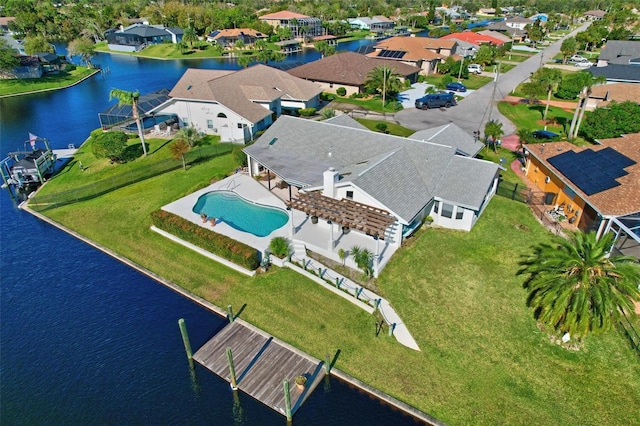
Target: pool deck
x: 316, y: 237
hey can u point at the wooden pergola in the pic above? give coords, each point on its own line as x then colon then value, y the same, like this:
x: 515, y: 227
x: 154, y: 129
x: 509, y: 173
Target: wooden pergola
x: 347, y: 213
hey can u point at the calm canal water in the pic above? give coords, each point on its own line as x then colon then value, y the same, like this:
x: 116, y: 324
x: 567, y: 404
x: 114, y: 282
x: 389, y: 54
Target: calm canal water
x: 87, y: 340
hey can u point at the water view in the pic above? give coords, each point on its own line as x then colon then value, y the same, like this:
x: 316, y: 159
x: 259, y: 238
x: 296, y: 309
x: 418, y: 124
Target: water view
x: 86, y: 339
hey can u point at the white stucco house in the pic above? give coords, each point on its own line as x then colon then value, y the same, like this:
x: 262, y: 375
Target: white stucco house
x: 384, y: 186
x: 237, y: 104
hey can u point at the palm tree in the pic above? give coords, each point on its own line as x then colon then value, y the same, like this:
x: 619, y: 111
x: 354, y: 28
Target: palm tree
x: 384, y: 80
x: 576, y: 288
x: 493, y: 129
x: 549, y: 78
x: 189, y: 36
x: 588, y: 82
x: 363, y: 258
x: 188, y: 134
x: 131, y: 98
x: 524, y: 137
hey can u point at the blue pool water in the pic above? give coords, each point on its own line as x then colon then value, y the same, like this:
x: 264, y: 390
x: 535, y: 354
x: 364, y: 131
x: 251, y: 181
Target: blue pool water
x: 239, y: 213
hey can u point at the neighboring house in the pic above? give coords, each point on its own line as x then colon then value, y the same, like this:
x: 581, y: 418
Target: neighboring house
x: 229, y: 37
x: 349, y: 70
x: 617, y: 73
x: 620, y: 52
x: 289, y: 46
x: 30, y: 67
x: 593, y: 183
x: 423, y: 52
x: 602, y: 95
x: 496, y: 35
x: 517, y: 22
x: 542, y: 17
x: 331, y: 40
x: 4, y: 24
x: 594, y: 15
x: 50, y: 62
x: 487, y: 11
x: 374, y: 24
x: 344, y: 172
x: 137, y: 36
x: 237, y: 104
x: 301, y: 26
x: 453, y: 136
x: 516, y: 34
x: 474, y: 38
x: 465, y: 49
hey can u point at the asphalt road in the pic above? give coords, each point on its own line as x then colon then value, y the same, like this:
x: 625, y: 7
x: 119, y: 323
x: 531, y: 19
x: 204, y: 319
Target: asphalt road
x: 475, y: 110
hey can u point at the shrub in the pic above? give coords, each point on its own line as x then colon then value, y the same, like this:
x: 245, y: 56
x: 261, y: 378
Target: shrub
x: 307, y: 112
x: 110, y: 145
x: 239, y: 157
x: 301, y: 380
x: 341, y: 91
x: 206, y: 239
x: 279, y: 246
x: 328, y: 113
x: 381, y: 127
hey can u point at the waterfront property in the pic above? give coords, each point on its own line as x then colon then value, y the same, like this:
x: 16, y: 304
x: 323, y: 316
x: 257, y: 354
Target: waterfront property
x: 423, y: 52
x: 237, y: 104
x: 349, y: 180
x: 301, y: 26
x: 137, y: 36
x: 227, y: 38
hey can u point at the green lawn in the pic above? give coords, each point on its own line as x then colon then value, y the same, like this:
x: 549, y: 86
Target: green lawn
x: 47, y: 82
x: 373, y: 103
x: 473, y: 82
x: 392, y: 128
x: 483, y: 360
x: 530, y: 116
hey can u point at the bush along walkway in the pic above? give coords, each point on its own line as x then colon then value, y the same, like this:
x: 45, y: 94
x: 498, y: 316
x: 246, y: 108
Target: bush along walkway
x: 344, y: 287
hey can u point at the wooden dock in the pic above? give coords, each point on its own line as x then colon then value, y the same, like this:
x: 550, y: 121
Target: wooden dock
x: 261, y: 364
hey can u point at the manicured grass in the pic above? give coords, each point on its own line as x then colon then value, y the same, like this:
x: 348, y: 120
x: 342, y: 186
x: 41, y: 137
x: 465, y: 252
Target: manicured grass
x: 516, y: 57
x: 371, y: 104
x: 483, y: 360
x: 473, y: 82
x: 46, y: 82
x: 392, y: 128
x: 489, y: 155
x: 530, y: 116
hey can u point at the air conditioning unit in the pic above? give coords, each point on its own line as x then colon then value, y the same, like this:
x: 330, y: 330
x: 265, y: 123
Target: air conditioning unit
x: 547, y: 179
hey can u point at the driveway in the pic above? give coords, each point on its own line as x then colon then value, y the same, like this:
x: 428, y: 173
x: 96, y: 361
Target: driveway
x: 477, y: 108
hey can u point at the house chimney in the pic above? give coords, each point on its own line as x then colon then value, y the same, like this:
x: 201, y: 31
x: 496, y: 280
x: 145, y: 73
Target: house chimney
x: 330, y: 177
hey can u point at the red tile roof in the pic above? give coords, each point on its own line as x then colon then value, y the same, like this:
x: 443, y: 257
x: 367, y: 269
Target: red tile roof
x: 617, y: 201
x: 474, y: 38
x: 283, y: 14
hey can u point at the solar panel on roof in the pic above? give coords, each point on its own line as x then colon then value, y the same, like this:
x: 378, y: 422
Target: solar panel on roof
x: 592, y: 171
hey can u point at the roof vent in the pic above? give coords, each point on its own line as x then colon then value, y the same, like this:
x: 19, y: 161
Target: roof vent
x: 272, y: 141
x: 189, y: 87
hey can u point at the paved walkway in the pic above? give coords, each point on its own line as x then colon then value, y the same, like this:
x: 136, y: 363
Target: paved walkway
x: 560, y: 104
x: 353, y: 292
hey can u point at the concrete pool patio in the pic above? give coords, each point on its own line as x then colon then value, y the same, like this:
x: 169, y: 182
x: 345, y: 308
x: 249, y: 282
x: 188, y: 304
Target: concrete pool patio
x: 298, y: 229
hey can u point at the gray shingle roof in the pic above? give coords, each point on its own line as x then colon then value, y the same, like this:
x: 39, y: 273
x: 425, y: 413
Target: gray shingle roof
x: 239, y: 90
x: 620, y: 52
x: 346, y: 121
x: 450, y: 135
x: 403, y: 174
x: 616, y: 72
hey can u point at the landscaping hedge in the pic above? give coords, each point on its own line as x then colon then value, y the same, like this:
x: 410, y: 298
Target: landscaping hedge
x: 223, y: 246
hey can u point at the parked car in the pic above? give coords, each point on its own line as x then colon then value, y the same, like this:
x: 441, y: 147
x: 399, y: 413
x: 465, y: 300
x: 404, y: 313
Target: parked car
x: 436, y: 100
x: 456, y: 87
x: 584, y: 64
x: 545, y: 135
x: 577, y: 58
x: 474, y: 69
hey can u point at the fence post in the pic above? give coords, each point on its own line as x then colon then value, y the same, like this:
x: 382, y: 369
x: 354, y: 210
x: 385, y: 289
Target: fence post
x: 392, y: 327
x: 513, y: 194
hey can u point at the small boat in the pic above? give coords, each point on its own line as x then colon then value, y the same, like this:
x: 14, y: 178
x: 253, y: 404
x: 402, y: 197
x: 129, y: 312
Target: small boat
x: 24, y: 171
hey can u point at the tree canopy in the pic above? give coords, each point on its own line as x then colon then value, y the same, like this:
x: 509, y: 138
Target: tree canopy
x: 612, y: 121
x: 574, y: 286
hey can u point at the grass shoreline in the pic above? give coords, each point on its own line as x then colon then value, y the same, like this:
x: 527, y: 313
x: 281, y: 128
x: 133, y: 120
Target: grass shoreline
x: 483, y: 359
x: 31, y: 91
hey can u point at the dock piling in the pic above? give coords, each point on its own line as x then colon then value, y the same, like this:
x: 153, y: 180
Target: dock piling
x: 232, y: 370
x: 185, y: 340
x: 287, y: 399
x: 230, y: 313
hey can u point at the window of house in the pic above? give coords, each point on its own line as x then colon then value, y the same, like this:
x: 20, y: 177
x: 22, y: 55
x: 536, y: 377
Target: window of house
x: 221, y: 115
x: 209, y: 124
x: 185, y: 121
x: 568, y: 192
x: 447, y: 210
x: 436, y: 206
x: 240, y: 126
x: 459, y: 213
x: 350, y: 195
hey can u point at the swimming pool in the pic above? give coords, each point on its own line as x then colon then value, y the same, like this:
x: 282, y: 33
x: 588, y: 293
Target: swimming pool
x: 241, y: 214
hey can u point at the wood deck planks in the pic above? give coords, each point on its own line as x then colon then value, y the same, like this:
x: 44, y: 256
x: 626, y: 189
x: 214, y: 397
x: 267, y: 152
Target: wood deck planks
x: 261, y: 365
